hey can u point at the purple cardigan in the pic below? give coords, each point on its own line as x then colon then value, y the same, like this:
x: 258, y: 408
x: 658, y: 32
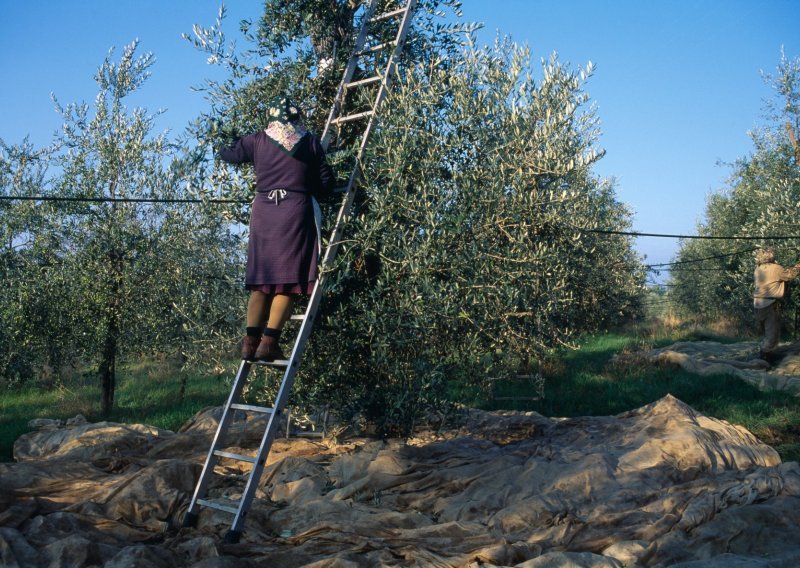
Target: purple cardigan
x: 306, y: 172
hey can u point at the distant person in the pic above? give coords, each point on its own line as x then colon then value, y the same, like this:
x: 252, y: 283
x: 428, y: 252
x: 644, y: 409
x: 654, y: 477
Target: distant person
x: 770, y: 286
x: 283, y: 247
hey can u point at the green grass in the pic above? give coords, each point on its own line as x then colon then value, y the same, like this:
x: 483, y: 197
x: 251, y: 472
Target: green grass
x: 146, y: 393
x: 586, y: 383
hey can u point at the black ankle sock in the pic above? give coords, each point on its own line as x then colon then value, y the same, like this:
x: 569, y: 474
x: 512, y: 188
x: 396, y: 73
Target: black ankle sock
x: 276, y: 333
x: 253, y: 331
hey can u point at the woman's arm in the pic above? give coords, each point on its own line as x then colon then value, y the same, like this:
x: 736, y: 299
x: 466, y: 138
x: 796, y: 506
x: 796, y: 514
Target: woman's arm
x: 239, y: 152
x: 325, y: 174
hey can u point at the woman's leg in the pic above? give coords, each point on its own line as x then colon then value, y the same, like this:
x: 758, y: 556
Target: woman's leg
x: 279, y: 312
x: 257, y: 307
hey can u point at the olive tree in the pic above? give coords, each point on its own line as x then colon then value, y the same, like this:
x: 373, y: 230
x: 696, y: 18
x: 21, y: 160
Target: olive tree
x: 116, y: 267
x: 24, y: 317
x: 469, y: 256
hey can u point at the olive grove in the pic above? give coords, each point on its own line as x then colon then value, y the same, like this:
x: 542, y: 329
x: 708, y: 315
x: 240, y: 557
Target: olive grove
x: 478, y: 244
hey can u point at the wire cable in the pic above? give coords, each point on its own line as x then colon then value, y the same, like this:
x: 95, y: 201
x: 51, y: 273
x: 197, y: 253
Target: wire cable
x: 116, y: 199
x: 702, y: 237
x: 678, y: 262
x: 242, y: 201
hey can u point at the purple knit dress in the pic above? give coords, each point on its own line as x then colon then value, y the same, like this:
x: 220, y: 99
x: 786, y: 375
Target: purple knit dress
x: 282, y: 252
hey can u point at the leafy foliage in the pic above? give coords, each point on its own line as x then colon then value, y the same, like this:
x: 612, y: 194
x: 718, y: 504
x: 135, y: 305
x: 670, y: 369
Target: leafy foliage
x: 467, y: 260
x: 715, y: 277
x: 92, y: 281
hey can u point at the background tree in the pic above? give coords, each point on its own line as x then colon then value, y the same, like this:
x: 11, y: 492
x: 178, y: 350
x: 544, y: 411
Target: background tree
x: 105, y: 276
x: 23, y: 307
x: 714, y: 278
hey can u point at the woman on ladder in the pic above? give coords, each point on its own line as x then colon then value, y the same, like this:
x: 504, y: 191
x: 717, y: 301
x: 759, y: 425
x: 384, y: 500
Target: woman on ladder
x: 283, y: 248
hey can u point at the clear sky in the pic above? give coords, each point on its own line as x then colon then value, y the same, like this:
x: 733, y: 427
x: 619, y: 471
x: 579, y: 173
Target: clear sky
x: 677, y: 82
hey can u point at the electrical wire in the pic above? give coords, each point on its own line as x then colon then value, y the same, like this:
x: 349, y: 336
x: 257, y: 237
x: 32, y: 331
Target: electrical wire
x: 680, y: 269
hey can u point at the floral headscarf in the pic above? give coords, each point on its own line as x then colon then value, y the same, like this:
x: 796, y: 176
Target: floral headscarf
x: 283, y: 125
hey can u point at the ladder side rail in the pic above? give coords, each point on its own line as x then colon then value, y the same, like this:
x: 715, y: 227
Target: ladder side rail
x: 287, y: 383
x: 338, y: 229
x: 388, y: 74
x: 293, y: 366
x: 350, y: 69
x: 405, y: 26
x: 344, y: 209
x: 280, y: 403
x: 222, y: 429
x: 264, y: 448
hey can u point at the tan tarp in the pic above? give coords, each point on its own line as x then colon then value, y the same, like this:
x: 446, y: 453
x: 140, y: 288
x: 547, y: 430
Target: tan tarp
x: 658, y: 486
x: 737, y: 359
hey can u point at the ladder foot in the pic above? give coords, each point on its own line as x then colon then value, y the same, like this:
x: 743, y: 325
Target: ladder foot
x: 232, y: 537
x: 190, y: 520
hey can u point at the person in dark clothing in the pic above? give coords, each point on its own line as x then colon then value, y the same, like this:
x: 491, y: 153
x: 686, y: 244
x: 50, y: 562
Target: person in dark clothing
x: 283, y: 248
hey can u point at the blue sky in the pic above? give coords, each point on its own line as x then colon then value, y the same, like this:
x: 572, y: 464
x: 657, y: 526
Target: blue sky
x: 677, y: 83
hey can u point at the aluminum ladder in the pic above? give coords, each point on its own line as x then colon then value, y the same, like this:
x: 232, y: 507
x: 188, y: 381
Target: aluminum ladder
x: 365, y: 46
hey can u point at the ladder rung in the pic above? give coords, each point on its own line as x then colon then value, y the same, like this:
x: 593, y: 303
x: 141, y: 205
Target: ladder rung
x: 302, y: 434
x: 251, y: 408
x: 298, y: 317
x: 219, y: 506
x: 239, y: 457
x: 275, y: 363
x: 387, y: 15
x: 342, y: 189
x: 353, y: 117
x: 366, y: 81
x: 377, y: 47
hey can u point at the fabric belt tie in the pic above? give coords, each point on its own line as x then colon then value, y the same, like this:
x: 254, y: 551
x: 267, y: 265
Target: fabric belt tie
x: 276, y: 194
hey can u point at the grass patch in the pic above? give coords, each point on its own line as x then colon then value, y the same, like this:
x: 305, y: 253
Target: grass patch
x: 147, y: 392
x: 586, y: 383
x: 583, y: 382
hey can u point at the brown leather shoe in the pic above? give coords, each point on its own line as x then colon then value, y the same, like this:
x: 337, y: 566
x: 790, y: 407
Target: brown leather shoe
x: 269, y: 350
x: 249, y: 347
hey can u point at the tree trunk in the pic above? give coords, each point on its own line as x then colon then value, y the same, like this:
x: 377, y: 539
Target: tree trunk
x: 184, y: 377
x: 108, y: 363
